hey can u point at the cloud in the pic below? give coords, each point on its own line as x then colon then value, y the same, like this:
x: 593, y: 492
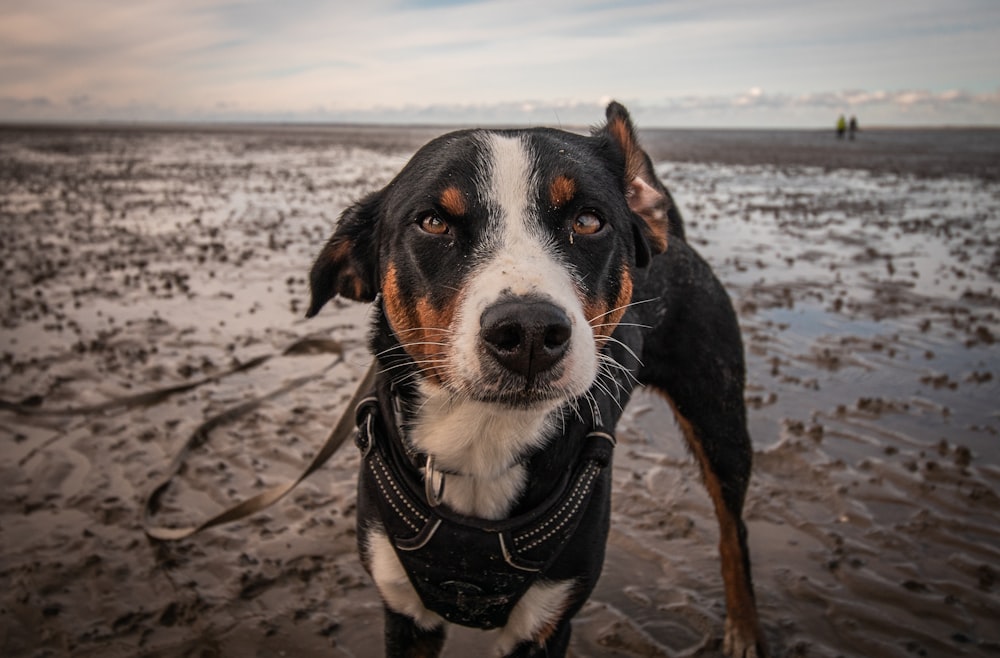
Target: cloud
x: 752, y: 108
x: 755, y: 107
x: 495, y: 60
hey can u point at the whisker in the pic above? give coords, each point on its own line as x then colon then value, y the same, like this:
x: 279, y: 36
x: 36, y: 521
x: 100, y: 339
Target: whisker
x: 444, y: 330
x: 610, y: 367
x: 609, y: 361
x: 622, y: 324
x: 587, y: 397
x: 604, y: 389
x: 618, y: 308
x: 404, y: 345
x: 595, y: 410
x: 425, y: 342
x: 576, y: 409
x: 388, y: 351
x: 627, y: 348
x: 607, y: 365
x: 607, y: 369
x: 573, y: 406
x: 605, y: 357
x: 421, y: 368
x: 418, y: 363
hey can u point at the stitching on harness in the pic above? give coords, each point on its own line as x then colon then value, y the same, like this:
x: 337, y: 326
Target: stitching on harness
x: 555, y: 516
x: 575, y: 499
x: 382, y: 477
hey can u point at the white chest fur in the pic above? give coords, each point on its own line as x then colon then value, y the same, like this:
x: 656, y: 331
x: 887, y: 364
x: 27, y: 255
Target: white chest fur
x: 482, y: 444
x: 479, y: 445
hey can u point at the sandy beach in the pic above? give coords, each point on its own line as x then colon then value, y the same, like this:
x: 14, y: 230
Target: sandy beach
x: 145, y: 268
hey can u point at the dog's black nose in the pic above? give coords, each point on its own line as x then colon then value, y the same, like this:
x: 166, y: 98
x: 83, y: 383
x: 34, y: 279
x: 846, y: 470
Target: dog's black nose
x: 526, y: 336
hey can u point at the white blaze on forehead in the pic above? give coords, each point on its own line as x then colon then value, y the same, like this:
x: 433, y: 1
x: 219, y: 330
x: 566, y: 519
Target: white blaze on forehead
x: 518, y: 251
x: 509, y: 178
x: 519, y: 258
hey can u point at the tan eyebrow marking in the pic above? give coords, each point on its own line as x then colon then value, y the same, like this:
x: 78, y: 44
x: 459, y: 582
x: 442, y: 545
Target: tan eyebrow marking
x: 453, y: 201
x: 561, y: 190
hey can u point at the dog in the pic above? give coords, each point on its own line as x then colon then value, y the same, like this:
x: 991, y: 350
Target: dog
x: 524, y: 282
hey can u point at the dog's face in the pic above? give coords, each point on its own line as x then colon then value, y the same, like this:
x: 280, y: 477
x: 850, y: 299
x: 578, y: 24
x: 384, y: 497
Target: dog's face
x: 504, y: 259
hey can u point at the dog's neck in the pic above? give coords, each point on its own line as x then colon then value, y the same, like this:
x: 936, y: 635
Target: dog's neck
x: 478, y: 448
x: 484, y: 452
x: 476, y: 439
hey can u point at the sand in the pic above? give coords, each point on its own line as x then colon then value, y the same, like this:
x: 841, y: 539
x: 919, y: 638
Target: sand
x: 144, y: 269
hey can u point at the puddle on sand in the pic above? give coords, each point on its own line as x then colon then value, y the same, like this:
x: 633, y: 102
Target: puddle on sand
x: 139, y: 261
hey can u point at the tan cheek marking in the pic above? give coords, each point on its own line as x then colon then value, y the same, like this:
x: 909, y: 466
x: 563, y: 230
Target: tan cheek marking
x: 422, y: 328
x: 400, y: 317
x: 561, y: 190
x: 453, y: 201
x: 604, y: 318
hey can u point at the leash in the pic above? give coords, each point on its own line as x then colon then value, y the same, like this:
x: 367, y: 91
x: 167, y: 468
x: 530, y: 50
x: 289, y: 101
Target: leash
x: 344, y: 427
x: 31, y: 406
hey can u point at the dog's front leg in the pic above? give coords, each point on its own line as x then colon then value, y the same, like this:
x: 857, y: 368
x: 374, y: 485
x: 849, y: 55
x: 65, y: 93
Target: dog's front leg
x: 555, y: 645
x: 411, y: 631
x: 540, y: 622
x: 405, y: 639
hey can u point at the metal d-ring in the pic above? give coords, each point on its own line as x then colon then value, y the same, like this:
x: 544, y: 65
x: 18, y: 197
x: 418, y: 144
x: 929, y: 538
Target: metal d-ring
x: 369, y: 435
x: 433, y: 497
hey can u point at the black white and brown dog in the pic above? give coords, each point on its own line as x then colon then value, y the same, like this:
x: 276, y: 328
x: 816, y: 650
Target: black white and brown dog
x: 524, y: 282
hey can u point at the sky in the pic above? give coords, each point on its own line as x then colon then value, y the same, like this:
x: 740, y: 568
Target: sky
x: 674, y: 63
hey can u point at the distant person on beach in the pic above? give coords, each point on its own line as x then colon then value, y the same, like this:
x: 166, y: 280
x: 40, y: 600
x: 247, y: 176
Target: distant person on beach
x: 841, y: 126
x: 852, y: 127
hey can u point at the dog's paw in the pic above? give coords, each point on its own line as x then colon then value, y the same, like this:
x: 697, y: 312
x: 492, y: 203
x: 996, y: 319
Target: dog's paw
x: 743, y: 640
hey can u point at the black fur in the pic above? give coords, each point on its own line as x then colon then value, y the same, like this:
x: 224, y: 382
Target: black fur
x: 685, y: 332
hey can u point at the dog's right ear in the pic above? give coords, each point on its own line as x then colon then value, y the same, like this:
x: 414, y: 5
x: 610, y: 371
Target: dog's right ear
x: 644, y: 192
x: 348, y: 264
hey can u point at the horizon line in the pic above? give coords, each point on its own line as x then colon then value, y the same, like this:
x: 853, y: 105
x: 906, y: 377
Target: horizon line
x: 445, y: 125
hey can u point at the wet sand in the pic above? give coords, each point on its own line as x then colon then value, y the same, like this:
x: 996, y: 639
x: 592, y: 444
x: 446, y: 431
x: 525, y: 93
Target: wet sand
x: 143, y: 268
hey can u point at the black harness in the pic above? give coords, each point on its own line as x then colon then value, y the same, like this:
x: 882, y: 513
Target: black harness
x: 472, y: 571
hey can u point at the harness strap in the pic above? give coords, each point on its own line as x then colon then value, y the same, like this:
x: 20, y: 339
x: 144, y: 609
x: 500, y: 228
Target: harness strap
x: 409, y: 492
x: 472, y: 571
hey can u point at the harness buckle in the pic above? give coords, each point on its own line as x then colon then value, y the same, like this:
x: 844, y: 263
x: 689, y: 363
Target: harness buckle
x: 397, y: 411
x: 365, y: 436
x: 434, y: 494
x: 369, y: 436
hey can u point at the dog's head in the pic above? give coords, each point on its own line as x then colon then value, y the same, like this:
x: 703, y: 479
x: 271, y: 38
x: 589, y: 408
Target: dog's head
x: 504, y: 259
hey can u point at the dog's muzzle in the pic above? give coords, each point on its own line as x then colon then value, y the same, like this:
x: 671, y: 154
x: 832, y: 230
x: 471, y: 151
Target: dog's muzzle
x: 527, y: 336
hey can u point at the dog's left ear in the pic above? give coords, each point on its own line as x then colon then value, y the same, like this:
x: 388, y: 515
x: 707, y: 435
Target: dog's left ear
x: 348, y: 264
x: 644, y: 193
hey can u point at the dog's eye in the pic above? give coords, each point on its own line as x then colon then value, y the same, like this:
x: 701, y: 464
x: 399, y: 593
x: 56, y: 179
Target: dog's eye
x: 587, y: 224
x: 431, y: 223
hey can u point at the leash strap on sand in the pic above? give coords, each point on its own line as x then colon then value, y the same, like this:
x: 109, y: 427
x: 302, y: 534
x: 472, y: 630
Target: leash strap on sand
x: 343, y: 428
